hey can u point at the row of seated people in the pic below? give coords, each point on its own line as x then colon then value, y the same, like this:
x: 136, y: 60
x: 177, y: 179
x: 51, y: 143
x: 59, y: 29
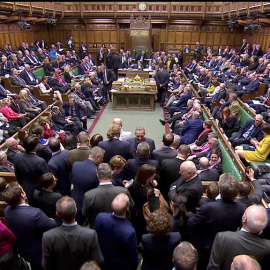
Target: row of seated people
x: 96, y: 185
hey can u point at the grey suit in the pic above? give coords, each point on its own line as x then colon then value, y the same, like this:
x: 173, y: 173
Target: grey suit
x: 68, y: 247
x: 134, y: 143
x: 228, y: 244
x: 99, y: 200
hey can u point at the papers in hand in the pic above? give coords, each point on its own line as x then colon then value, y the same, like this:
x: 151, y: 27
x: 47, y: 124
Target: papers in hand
x: 256, y: 101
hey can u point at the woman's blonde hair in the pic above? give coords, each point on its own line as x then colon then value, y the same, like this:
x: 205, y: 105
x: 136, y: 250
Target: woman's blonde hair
x: 67, y: 68
x: 6, y: 101
x: 23, y: 94
x: 118, y: 162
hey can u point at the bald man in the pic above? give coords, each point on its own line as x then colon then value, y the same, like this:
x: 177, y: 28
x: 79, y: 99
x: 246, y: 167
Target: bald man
x: 244, y: 262
x: 117, y: 237
x: 205, y: 173
x: 188, y: 185
x: 247, y: 241
x: 124, y: 135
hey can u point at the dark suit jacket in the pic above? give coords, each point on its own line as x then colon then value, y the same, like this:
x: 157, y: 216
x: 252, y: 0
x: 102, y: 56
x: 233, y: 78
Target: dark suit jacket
x: 99, y: 200
x: 5, y: 168
x: 133, y: 145
x: 78, y: 108
x: 214, y: 217
x: 83, y: 178
x: 116, y: 62
x: 48, y: 69
x: 192, y: 189
x: 134, y: 163
x: 68, y: 247
x: 28, y: 225
x: 114, y: 147
x: 118, y: 242
x: 11, y: 154
x: 182, y: 102
x: 227, y: 245
x: 28, y: 168
x: 44, y: 152
x: 58, y: 165
x: 164, y: 153
x: 27, y: 79
x: 162, y: 77
x: 191, y: 130
x: 16, y: 81
x: 253, y: 86
x: 169, y: 172
x: 257, y: 132
x: 209, y: 175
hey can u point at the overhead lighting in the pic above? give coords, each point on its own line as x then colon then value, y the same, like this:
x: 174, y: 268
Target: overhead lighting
x: 50, y: 21
x: 253, y: 27
x: 232, y: 23
x: 24, y: 25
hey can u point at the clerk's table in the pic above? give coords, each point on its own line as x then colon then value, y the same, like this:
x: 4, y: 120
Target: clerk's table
x: 134, y: 94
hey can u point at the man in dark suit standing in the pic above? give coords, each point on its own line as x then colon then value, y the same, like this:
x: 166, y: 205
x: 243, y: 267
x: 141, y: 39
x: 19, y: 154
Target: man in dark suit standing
x: 243, y: 46
x: 70, y: 245
x: 188, y: 185
x: 107, y: 78
x: 29, y: 167
x: 58, y: 165
x: 169, y: 171
x: 221, y: 215
x: 84, y: 177
x: 198, y: 51
x: 166, y: 151
x: 246, y: 241
x: 116, y: 64
x: 117, y: 237
x: 113, y: 146
x: 140, y: 137
x: 162, y: 81
x: 99, y: 199
x: 142, y: 58
x: 27, y: 223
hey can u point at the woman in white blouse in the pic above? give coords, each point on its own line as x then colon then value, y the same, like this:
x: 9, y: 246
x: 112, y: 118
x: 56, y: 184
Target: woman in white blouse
x: 46, y: 89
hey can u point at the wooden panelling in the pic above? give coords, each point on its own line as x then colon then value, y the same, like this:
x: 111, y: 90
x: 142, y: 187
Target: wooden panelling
x: 187, y: 37
x: 203, y: 38
x: 171, y: 37
x: 216, y: 40
x: 195, y: 36
x: 113, y: 35
x: 179, y: 38
x: 98, y: 37
x: 224, y: 39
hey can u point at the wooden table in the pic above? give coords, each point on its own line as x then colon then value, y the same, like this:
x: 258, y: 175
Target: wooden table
x: 131, y: 73
x: 142, y: 101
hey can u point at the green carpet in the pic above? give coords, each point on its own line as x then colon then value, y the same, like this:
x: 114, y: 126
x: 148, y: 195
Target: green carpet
x: 131, y: 119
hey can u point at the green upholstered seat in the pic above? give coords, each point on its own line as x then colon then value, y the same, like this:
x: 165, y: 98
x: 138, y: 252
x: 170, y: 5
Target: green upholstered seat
x: 39, y: 72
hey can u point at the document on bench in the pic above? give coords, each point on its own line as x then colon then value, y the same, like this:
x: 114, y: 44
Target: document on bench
x: 256, y: 101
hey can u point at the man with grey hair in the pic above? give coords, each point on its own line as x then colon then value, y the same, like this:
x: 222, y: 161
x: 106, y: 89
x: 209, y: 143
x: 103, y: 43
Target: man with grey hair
x: 218, y: 216
x: 117, y: 237
x: 143, y: 157
x: 15, y: 79
x: 185, y: 257
x: 228, y: 244
x: 13, y: 148
x: 188, y: 185
x: 84, y: 177
x: 70, y: 245
x: 5, y: 166
x: 28, y: 76
x: 124, y: 135
x: 244, y: 262
x: 205, y: 173
x: 99, y: 199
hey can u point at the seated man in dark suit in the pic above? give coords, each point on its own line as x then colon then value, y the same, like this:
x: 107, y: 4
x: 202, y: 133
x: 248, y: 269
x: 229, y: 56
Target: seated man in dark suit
x: 74, y: 109
x: 5, y: 165
x: 188, y: 185
x: 15, y: 79
x: 13, y: 149
x: 165, y: 151
x: 140, y: 137
x: 251, y: 87
x: 76, y: 244
x: 205, y: 173
x: 143, y: 153
x: 221, y: 215
x: 27, y: 223
x: 252, y: 129
x: 28, y: 76
x: 114, y: 146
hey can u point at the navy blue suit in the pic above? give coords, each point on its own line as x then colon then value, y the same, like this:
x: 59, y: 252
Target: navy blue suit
x: 28, y: 168
x: 114, y: 147
x: 28, y: 225
x: 134, y: 143
x: 27, y: 79
x: 83, y: 178
x: 117, y: 241
x: 191, y: 130
x: 251, y: 87
x: 58, y: 165
x: 182, y: 102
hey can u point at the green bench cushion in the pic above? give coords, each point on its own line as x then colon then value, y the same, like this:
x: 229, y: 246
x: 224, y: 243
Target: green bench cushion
x: 76, y: 71
x: 245, y: 116
x: 39, y: 72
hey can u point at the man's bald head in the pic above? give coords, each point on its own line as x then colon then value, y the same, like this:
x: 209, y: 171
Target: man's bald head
x: 118, y: 121
x: 204, y: 163
x: 244, y: 262
x: 120, y: 204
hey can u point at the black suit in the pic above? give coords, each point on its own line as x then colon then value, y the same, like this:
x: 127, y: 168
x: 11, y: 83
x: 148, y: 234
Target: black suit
x: 209, y: 175
x: 68, y: 247
x: 28, y: 224
x: 29, y: 81
x: 28, y: 168
x: 114, y: 147
x: 164, y: 153
x: 58, y: 165
x: 116, y: 64
x: 227, y: 245
x: 192, y: 190
x: 134, y: 143
x: 162, y: 80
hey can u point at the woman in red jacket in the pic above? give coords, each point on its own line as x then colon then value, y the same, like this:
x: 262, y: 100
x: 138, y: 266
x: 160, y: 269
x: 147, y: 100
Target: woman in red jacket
x: 14, y: 118
x: 49, y: 133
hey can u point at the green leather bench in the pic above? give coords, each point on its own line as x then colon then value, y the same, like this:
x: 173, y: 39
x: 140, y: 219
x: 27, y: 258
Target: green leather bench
x: 39, y: 72
x: 137, y: 52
